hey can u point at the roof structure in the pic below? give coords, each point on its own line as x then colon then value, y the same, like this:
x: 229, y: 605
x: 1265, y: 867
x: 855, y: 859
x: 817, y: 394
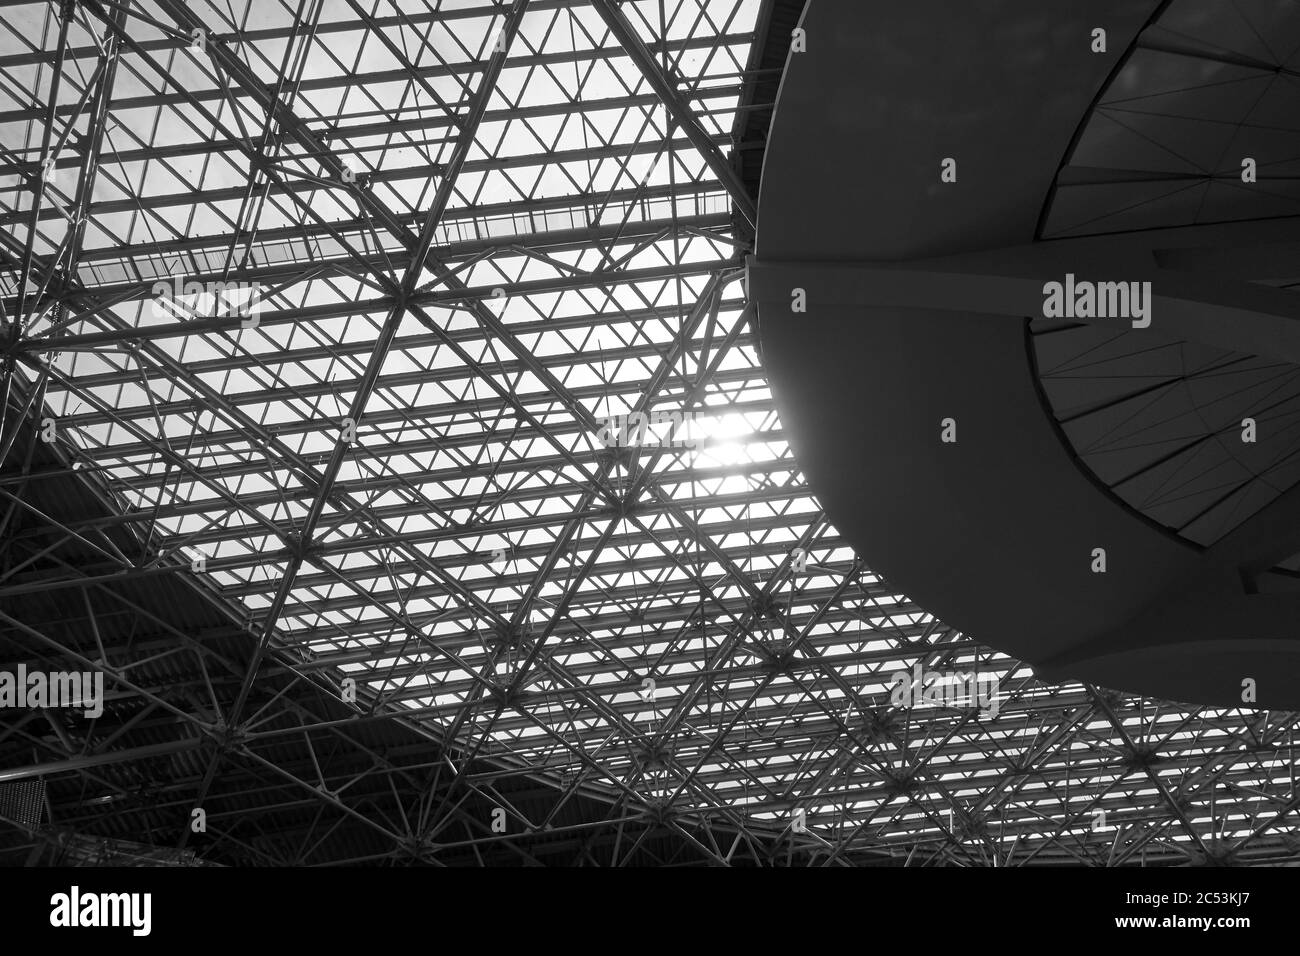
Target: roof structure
x: 385, y: 420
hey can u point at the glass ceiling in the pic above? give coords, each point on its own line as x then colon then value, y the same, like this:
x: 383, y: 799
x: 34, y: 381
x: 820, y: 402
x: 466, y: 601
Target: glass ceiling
x: 463, y: 237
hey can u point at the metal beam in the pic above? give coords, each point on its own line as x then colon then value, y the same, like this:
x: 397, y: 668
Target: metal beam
x: 665, y: 85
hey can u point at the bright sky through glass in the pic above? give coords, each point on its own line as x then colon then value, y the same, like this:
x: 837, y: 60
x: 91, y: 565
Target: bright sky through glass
x: 481, y: 558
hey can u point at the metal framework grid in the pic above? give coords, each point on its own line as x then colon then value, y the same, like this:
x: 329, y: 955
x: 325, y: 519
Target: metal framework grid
x: 472, y: 232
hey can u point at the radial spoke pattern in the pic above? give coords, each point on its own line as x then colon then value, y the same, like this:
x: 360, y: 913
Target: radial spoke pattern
x: 413, y: 337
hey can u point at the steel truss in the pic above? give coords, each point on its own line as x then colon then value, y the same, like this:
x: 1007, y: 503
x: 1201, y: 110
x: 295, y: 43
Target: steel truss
x: 471, y: 237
